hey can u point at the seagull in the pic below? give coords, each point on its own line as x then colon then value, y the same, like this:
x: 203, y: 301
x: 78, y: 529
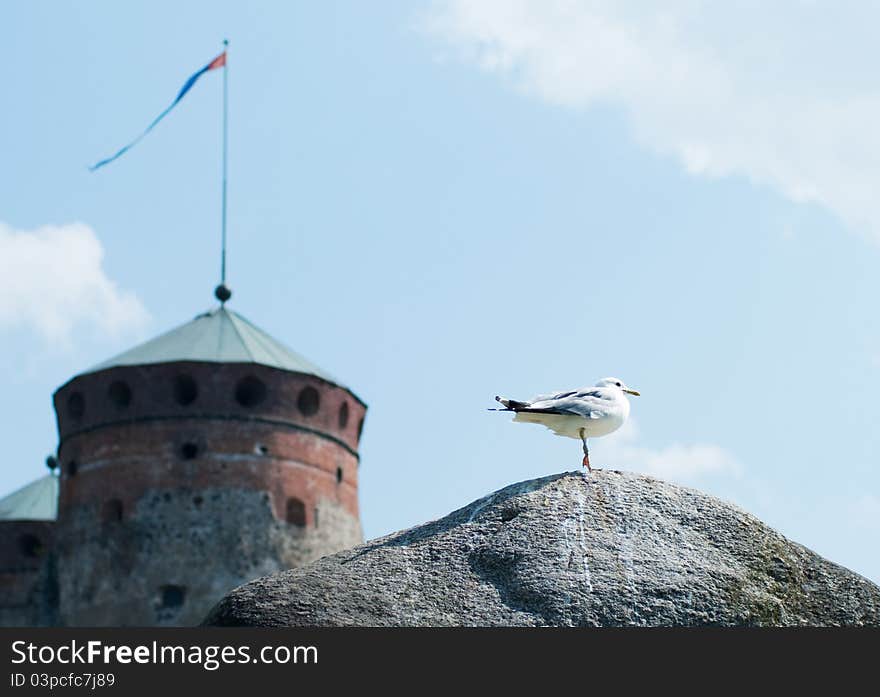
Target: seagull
x: 587, y: 413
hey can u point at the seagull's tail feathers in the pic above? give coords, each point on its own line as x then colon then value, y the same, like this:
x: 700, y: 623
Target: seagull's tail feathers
x: 510, y: 404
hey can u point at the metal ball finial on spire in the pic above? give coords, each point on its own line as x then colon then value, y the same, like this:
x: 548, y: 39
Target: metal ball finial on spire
x: 222, y: 293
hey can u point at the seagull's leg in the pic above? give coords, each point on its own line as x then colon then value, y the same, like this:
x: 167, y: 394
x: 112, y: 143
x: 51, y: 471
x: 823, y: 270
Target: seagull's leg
x: 586, y: 450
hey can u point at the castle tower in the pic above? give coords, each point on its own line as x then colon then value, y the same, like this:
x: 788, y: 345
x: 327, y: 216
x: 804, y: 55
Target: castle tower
x: 193, y: 463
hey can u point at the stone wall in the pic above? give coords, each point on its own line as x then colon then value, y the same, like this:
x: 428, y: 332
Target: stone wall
x: 28, y: 588
x: 178, y: 551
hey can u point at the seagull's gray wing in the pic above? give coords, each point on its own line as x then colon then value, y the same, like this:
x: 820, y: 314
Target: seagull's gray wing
x: 585, y: 391
x: 592, y: 403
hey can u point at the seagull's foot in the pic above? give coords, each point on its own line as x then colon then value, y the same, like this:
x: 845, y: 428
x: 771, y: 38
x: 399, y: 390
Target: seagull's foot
x: 587, y: 463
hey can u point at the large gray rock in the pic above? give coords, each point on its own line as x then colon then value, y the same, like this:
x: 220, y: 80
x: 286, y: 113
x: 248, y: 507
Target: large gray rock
x: 613, y: 548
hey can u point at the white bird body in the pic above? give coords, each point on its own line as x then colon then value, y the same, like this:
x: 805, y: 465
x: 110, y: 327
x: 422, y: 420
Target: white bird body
x: 587, y: 413
x: 596, y: 418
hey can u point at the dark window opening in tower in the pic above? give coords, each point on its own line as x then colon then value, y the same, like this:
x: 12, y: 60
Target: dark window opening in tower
x: 76, y: 405
x: 316, y: 516
x: 172, y: 596
x: 72, y: 468
x: 111, y: 511
x: 343, y: 415
x: 30, y: 546
x: 360, y: 429
x: 185, y: 390
x: 189, y: 451
x: 120, y: 394
x: 250, y: 391
x: 309, y: 401
x: 296, y: 512
x: 339, y: 475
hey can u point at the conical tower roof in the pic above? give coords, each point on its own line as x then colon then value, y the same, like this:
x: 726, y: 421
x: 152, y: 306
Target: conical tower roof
x: 218, y: 336
x: 35, y: 501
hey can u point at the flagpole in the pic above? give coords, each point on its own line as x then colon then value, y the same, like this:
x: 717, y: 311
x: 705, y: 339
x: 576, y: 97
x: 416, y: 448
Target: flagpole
x: 222, y: 292
x: 225, y: 141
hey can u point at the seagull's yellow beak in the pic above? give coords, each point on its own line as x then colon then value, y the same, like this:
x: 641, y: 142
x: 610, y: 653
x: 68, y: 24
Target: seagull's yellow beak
x: 632, y: 392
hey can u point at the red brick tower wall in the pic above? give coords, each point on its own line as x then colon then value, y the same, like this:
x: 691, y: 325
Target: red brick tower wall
x: 180, y: 481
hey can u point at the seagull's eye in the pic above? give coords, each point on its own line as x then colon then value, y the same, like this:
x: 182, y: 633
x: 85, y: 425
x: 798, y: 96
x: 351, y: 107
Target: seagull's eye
x: 619, y: 385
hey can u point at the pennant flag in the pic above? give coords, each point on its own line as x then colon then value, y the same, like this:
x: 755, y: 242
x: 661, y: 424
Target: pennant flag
x: 218, y: 62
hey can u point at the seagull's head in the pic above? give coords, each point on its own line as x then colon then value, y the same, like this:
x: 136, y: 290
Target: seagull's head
x: 618, y: 383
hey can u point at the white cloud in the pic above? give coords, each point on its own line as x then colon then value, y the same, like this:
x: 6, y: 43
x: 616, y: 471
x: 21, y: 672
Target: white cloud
x: 54, y: 280
x: 783, y: 93
x: 686, y: 464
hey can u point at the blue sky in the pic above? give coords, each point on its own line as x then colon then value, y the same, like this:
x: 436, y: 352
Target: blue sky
x: 442, y: 202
